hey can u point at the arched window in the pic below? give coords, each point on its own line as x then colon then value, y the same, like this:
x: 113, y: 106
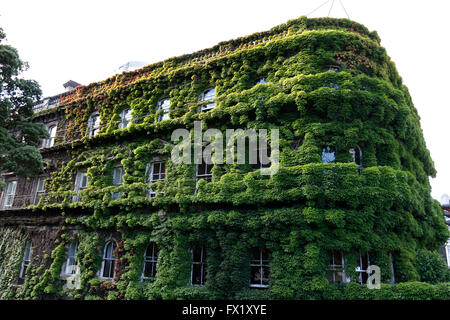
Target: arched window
x: 26, y: 259
x: 125, y: 118
x: 150, y: 259
x: 164, y: 105
x: 93, y: 124
x: 356, y: 155
x: 109, y: 260
x: 208, y: 95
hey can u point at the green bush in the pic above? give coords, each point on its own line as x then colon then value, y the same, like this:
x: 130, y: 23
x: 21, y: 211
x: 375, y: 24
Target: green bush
x: 431, y: 266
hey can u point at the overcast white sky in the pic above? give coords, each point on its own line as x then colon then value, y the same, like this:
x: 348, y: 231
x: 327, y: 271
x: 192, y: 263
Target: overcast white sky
x: 86, y: 41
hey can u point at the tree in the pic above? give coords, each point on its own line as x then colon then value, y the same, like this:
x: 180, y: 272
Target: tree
x: 19, y: 137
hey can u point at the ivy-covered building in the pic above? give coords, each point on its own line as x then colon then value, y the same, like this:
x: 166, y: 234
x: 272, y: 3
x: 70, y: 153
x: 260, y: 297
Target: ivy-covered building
x: 112, y: 217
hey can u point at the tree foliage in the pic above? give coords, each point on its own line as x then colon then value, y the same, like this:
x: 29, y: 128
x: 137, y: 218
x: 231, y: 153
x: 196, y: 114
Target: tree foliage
x: 19, y: 137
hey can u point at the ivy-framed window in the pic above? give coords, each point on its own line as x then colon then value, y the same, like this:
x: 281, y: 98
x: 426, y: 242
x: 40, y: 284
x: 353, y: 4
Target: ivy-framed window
x: 125, y: 118
x: 150, y: 260
x: 156, y: 172
x: 117, y: 181
x: 164, y: 105
x: 204, y: 171
x: 71, y: 263
x: 328, y: 154
x: 109, y: 260
x: 261, y: 81
x: 447, y: 248
x: 336, y: 267
x: 259, y: 268
x: 198, y: 269
x: 93, y: 125
x: 40, y: 190
x: 50, y: 141
x: 10, y: 194
x: 263, y: 158
x: 26, y: 260
x: 208, y: 95
x: 356, y: 154
x: 81, y: 183
x: 362, y: 263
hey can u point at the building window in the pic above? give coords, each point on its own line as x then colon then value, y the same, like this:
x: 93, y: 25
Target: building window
x: 259, y: 268
x: 328, y: 154
x: 109, y: 260
x: 164, y: 105
x: 208, y: 95
x: 93, y: 124
x: 356, y: 154
x: 81, y: 183
x: 263, y: 158
x: 71, y: 262
x: 52, y: 135
x: 40, y: 190
x: 334, y: 68
x: 150, y: 259
x: 204, y: 171
x: 198, y: 271
x: 10, y: 194
x: 26, y: 259
x: 157, y: 172
x: 447, y: 247
x: 362, y: 263
x: 125, y: 118
x: 336, y: 268
x: 117, y: 181
x: 261, y: 81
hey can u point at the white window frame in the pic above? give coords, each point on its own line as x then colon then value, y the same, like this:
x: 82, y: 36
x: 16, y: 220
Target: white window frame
x: 360, y: 267
x: 40, y: 189
x: 117, y: 181
x: 202, y: 264
x: 165, y: 107
x: 125, y: 118
x: 208, y: 95
x: 10, y: 194
x: 112, y: 259
x: 204, y: 175
x: 335, y: 267
x: 447, y: 252
x: 93, y: 124
x: 50, y: 142
x: 26, y: 260
x: 71, y: 262
x: 79, y: 185
x: 261, y: 264
x: 153, y: 259
x: 161, y: 175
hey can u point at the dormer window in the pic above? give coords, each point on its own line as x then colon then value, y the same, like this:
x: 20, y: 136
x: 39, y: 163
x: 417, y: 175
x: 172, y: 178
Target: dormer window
x: 125, y: 118
x: 334, y: 68
x: 93, y: 124
x: 51, y: 140
x: 328, y: 154
x: 164, y: 105
x: 208, y: 95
